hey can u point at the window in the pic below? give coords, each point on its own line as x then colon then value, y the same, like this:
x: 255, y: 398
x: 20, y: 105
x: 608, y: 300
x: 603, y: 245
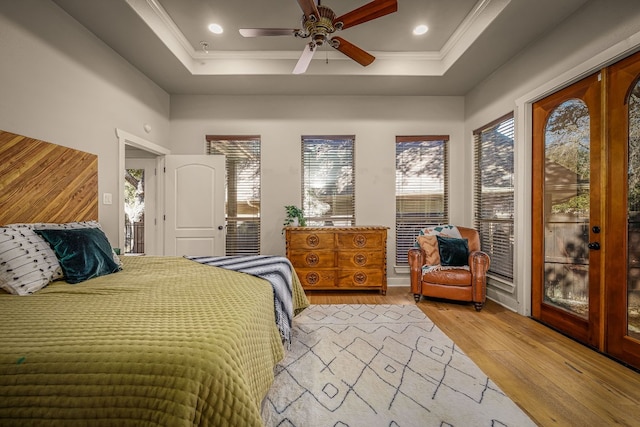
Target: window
x: 242, y: 181
x: 494, y: 193
x: 422, y: 188
x: 328, y: 180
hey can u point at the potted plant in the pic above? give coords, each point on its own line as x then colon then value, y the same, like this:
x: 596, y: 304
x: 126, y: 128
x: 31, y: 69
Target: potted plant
x: 295, y: 216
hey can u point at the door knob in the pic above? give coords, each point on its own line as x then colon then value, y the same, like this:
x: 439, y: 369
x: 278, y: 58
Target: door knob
x: 220, y: 227
x: 594, y: 245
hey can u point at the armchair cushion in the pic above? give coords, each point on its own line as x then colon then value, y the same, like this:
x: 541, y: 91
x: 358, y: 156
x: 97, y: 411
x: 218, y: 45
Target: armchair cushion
x: 456, y: 276
x: 453, y: 252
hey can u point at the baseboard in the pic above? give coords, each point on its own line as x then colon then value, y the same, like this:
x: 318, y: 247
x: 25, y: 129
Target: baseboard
x: 398, y: 282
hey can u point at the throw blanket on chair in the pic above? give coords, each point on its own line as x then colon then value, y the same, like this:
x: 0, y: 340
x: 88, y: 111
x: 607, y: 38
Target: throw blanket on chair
x: 429, y: 268
x: 277, y: 270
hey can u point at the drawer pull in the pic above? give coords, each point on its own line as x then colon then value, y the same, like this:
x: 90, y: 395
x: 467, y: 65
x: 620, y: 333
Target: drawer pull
x: 360, y: 278
x: 312, y: 259
x: 360, y: 259
x: 313, y: 240
x: 359, y: 240
x: 313, y: 278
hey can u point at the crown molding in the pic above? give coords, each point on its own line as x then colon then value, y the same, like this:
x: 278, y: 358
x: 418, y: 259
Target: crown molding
x: 424, y: 63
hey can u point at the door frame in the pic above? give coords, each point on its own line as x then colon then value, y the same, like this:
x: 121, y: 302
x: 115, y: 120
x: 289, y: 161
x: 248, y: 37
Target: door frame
x: 127, y: 139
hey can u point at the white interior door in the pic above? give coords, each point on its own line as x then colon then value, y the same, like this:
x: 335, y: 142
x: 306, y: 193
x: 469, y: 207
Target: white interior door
x: 194, y: 205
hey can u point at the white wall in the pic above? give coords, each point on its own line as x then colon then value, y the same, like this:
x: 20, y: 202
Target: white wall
x: 598, y: 34
x: 61, y: 84
x: 281, y: 121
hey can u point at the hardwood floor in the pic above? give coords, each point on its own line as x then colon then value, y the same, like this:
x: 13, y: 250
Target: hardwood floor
x: 555, y: 380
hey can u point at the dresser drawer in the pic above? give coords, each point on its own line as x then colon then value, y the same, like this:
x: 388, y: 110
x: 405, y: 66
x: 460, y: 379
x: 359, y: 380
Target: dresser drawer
x: 360, y: 240
x: 312, y: 240
x: 317, y: 278
x: 360, y: 278
x: 361, y: 259
x: 313, y: 259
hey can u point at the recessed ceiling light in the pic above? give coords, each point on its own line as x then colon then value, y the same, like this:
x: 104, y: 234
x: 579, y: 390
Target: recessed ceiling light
x: 420, y: 30
x: 215, y: 28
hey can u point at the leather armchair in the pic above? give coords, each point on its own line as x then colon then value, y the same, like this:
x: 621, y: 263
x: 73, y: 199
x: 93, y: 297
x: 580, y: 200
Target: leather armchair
x: 454, y: 283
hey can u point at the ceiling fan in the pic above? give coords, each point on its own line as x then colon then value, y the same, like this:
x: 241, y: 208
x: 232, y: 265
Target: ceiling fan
x: 319, y: 23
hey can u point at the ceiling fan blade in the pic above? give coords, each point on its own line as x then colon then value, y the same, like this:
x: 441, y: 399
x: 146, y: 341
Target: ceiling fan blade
x: 369, y: 11
x: 352, y: 51
x: 309, y: 8
x: 258, y: 32
x: 305, y: 59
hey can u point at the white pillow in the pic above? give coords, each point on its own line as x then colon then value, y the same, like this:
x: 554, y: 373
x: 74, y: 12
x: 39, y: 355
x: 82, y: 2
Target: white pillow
x: 27, y: 262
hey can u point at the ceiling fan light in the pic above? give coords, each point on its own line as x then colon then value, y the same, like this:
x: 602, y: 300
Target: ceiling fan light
x: 420, y: 30
x: 215, y: 28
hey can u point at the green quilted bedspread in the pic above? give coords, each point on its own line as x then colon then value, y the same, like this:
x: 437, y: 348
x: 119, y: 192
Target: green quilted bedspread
x: 165, y: 342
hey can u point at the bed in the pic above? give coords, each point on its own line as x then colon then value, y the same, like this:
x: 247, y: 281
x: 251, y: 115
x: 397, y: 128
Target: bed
x: 160, y: 341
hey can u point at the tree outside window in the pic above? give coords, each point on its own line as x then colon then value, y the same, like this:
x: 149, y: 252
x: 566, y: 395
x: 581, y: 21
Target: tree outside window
x: 328, y: 184
x: 134, y: 211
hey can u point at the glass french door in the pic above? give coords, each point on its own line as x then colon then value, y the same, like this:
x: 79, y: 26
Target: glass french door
x: 623, y: 255
x: 567, y: 221
x: 586, y: 210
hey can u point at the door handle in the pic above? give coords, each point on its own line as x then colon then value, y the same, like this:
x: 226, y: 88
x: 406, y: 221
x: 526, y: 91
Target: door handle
x: 594, y: 245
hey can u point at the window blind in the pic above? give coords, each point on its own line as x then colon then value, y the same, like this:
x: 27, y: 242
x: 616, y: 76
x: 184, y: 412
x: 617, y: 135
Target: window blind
x: 328, y: 180
x: 422, y: 188
x: 242, y: 199
x: 494, y: 193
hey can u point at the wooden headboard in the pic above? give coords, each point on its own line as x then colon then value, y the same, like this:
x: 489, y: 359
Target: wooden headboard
x: 44, y: 182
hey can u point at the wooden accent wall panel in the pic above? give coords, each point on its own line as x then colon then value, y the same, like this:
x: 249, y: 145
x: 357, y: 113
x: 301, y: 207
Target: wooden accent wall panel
x: 44, y: 182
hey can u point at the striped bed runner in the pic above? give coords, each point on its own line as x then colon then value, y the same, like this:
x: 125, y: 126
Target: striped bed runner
x: 276, y: 270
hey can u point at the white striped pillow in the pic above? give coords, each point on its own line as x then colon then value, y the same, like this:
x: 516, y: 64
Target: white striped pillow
x: 27, y: 262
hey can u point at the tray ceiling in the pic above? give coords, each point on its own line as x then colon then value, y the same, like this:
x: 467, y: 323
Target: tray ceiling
x: 467, y: 40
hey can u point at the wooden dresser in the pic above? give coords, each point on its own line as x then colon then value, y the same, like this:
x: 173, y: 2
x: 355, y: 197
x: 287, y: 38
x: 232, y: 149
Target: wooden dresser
x: 345, y: 258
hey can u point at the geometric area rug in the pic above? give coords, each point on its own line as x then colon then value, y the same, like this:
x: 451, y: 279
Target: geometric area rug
x: 380, y: 365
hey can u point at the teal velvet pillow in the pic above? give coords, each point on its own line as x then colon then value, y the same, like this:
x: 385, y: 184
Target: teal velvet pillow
x: 83, y: 253
x: 453, y: 252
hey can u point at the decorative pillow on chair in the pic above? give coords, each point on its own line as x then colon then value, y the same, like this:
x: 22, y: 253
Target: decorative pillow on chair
x: 441, y: 230
x: 83, y: 253
x: 429, y: 245
x: 453, y: 252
